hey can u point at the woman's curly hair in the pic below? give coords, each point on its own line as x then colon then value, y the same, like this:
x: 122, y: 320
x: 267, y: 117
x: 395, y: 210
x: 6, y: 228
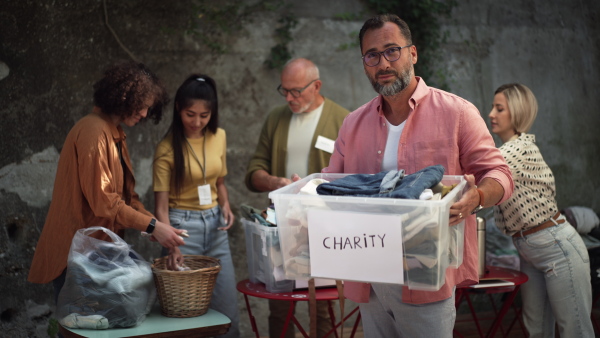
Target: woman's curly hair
x: 126, y: 89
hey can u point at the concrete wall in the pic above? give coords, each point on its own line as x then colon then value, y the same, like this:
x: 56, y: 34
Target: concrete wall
x: 51, y: 52
x: 553, y: 48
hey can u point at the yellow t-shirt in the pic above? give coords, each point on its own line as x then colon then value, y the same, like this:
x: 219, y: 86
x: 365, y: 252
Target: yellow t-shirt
x: 216, y: 166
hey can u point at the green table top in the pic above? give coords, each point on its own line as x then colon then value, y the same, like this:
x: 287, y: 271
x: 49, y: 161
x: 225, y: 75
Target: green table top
x: 157, y: 323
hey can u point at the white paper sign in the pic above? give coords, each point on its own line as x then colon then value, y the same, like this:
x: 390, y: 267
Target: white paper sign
x: 355, y: 246
x: 325, y: 144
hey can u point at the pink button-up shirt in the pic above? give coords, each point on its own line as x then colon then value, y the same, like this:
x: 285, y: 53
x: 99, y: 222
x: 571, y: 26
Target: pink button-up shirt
x: 441, y: 128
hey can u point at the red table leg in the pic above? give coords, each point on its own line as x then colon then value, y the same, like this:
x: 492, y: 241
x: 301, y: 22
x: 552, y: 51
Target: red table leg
x: 505, y: 307
x: 252, y: 319
x: 332, y: 318
x: 496, y: 313
x: 517, y: 318
x: 458, y: 298
x: 594, y: 320
x: 336, y: 326
x: 290, y: 316
x: 473, y: 313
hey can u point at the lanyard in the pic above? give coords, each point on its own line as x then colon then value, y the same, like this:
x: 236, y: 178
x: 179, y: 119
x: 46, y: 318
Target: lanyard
x: 202, y: 167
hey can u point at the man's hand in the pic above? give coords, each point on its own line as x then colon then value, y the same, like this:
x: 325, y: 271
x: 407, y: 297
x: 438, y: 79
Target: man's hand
x: 263, y: 181
x: 469, y: 201
x: 279, y: 182
x: 491, y: 190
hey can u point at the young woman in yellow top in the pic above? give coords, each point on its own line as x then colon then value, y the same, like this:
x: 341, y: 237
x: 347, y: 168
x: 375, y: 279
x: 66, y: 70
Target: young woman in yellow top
x: 189, y: 187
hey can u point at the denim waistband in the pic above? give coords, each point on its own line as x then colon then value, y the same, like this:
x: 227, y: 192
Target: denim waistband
x: 187, y: 214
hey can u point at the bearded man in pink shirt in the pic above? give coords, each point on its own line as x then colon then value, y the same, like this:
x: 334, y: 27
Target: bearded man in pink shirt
x: 411, y: 126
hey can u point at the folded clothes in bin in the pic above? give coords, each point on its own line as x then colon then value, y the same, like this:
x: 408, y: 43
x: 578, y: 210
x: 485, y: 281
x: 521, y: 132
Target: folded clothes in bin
x: 386, y: 184
x: 252, y: 213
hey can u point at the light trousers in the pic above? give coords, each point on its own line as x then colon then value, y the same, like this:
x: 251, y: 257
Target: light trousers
x: 386, y: 316
x: 559, y: 288
x: 206, y: 240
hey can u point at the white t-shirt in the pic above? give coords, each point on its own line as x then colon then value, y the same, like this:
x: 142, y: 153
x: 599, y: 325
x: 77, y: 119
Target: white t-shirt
x: 390, y: 156
x: 300, y: 135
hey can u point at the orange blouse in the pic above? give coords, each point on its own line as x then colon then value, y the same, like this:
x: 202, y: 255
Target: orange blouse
x: 89, y: 190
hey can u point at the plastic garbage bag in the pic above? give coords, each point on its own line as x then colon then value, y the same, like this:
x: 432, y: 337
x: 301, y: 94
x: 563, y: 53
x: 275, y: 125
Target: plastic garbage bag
x: 107, y: 284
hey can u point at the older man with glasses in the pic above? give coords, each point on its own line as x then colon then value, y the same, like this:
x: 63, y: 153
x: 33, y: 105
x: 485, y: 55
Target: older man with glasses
x: 296, y: 140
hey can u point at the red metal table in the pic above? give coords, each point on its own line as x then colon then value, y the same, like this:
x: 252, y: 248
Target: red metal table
x: 500, y: 273
x: 322, y: 294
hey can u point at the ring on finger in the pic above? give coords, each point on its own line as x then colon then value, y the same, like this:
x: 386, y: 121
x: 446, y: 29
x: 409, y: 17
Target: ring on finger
x: 460, y: 215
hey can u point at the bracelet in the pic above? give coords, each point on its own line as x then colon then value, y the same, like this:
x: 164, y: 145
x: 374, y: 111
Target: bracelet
x: 151, y: 226
x: 481, y: 201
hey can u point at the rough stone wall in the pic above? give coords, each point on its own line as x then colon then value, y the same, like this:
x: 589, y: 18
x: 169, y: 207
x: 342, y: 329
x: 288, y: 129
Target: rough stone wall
x: 553, y: 48
x: 51, y: 52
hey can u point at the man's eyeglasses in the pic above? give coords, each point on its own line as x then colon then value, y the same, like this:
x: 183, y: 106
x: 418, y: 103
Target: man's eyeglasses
x: 391, y: 54
x: 295, y: 92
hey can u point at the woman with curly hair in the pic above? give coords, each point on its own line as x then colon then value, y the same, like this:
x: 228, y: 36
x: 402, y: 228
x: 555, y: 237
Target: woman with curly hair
x: 189, y: 187
x: 552, y: 253
x: 94, y: 184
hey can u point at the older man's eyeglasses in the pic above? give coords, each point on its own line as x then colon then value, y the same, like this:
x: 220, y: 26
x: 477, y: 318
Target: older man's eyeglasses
x: 296, y: 92
x: 391, y: 54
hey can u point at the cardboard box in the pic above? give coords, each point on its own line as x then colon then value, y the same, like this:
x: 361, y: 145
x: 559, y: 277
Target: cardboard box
x: 428, y: 245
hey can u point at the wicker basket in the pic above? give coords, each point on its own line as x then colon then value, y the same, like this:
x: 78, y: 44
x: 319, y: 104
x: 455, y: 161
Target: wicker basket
x: 186, y: 294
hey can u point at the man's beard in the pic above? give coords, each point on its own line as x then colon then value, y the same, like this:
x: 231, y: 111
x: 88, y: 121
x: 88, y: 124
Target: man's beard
x: 394, y: 88
x: 302, y: 109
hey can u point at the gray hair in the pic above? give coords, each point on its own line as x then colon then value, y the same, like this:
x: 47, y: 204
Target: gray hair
x: 312, y: 71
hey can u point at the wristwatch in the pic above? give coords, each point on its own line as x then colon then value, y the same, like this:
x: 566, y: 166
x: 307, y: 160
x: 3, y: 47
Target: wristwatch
x: 481, y: 203
x: 150, y: 227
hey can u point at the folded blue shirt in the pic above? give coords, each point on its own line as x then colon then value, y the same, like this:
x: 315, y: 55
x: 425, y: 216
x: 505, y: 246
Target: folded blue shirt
x: 388, y: 184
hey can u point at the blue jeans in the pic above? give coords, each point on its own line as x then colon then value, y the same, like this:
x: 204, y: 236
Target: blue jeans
x: 387, y: 184
x: 386, y: 316
x: 559, y: 287
x: 206, y: 240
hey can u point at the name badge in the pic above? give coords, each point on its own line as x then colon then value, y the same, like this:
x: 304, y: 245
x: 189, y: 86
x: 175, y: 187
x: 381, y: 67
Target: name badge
x: 325, y: 144
x: 204, y: 194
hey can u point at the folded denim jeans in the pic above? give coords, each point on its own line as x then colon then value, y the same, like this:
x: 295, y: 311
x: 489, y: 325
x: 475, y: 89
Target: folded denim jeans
x: 386, y: 184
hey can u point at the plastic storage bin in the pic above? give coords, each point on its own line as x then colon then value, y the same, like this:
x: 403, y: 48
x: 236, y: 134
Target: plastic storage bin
x: 264, y: 257
x: 430, y: 218
x: 265, y: 261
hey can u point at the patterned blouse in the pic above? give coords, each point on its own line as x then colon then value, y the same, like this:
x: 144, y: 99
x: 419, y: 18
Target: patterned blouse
x: 533, y: 200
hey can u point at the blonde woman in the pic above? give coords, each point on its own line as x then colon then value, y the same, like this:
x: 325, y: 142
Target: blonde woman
x: 552, y: 253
